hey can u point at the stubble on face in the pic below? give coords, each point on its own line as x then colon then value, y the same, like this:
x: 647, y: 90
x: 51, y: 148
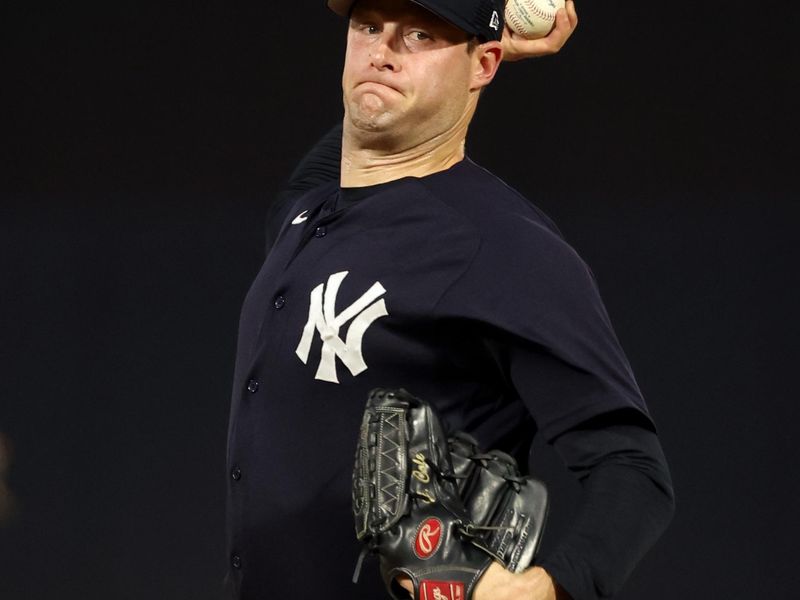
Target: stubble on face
x: 421, y: 92
x: 368, y: 111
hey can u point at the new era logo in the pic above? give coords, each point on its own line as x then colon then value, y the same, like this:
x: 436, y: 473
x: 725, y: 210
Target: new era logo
x: 495, y: 22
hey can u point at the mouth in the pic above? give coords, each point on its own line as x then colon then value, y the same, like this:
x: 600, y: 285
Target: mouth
x: 379, y: 85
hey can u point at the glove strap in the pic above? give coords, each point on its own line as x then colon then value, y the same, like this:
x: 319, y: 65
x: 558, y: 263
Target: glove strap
x: 360, y: 563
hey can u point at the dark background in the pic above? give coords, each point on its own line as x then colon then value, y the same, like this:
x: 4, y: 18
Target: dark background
x: 142, y: 143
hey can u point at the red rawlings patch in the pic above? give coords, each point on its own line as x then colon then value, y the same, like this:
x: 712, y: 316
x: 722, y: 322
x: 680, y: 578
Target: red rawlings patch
x: 441, y: 590
x: 429, y: 536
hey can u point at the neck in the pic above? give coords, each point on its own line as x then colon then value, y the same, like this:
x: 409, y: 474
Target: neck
x: 373, y: 159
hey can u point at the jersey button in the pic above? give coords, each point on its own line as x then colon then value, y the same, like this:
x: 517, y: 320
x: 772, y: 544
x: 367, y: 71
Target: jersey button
x: 236, y: 473
x: 279, y: 303
x: 321, y: 232
x: 236, y: 562
x: 252, y: 386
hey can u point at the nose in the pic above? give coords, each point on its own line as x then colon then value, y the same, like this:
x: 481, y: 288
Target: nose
x: 384, y: 55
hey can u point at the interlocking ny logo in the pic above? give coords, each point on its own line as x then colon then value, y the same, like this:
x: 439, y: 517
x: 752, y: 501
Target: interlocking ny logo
x: 322, y: 317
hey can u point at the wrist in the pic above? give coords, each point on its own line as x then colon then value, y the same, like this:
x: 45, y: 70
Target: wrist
x: 539, y: 585
x: 534, y: 584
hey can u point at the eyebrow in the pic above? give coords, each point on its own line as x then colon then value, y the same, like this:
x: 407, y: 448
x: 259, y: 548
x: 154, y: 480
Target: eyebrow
x: 425, y: 20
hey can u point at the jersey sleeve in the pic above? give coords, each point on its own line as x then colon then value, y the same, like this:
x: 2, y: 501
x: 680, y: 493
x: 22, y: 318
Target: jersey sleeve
x: 321, y: 165
x: 626, y: 503
x: 543, y: 315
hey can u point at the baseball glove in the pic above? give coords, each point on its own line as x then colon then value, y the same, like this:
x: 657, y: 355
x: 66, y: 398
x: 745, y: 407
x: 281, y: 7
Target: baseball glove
x: 408, y: 506
x: 508, y: 511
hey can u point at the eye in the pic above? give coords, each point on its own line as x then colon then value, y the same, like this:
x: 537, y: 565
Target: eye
x: 365, y: 27
x: 419, y: 36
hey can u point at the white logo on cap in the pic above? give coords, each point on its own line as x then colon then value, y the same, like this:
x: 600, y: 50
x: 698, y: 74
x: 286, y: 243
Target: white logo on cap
x: 495, y: 22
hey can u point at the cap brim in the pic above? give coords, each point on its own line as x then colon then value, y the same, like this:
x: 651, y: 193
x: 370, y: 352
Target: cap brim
x: 453, y: 19
x: 343, y: 7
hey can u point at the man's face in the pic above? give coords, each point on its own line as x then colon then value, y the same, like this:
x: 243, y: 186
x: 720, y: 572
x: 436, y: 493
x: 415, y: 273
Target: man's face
x: 407, y: 74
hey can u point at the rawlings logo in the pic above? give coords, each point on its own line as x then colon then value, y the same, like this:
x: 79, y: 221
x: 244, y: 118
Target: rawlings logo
x: 441, y: 590
x: 429, y: 535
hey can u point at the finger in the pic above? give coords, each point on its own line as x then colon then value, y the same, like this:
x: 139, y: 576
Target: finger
x: 405, y: 582
x: 561, y: 32
x: 572, y: 13
x: 563, y: 24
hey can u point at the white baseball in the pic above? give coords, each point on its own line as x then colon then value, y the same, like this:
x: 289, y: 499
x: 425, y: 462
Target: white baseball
x: 532, y: 18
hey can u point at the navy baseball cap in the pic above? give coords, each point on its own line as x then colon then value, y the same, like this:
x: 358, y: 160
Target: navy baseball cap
x: 481, y: 18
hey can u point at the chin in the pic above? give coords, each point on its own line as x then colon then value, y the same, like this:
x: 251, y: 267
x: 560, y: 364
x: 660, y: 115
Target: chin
x: 374, y: 133
x: 371, y: 120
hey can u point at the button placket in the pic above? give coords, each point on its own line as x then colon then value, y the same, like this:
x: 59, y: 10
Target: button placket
x: 316, y: 228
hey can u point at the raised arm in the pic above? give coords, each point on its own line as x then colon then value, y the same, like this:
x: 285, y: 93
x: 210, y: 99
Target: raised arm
x: 319, y: 166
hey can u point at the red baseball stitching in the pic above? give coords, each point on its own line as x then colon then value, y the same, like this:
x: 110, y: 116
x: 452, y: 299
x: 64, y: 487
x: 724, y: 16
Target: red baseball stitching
x: 513, y: 16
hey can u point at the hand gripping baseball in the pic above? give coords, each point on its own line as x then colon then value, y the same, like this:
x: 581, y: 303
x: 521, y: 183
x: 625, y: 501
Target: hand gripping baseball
x: 408, y: 508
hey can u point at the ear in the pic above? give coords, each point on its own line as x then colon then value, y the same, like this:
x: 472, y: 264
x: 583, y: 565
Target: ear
x: 486, y: 60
